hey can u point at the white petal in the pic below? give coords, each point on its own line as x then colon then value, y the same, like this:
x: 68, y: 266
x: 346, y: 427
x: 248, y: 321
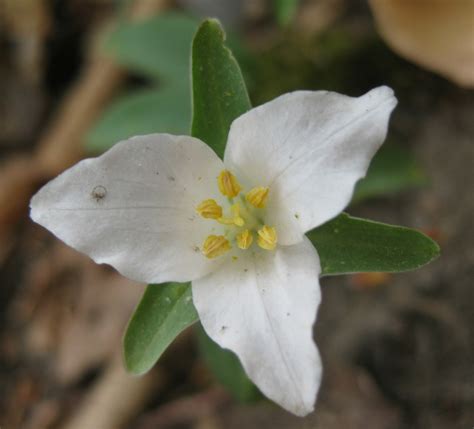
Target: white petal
x: 310, y: 148
x: 134, y: 207
x: 262, y: 307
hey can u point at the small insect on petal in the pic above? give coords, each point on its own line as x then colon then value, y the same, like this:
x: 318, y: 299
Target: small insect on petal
x: 209, y: 209
x: 228, y: 184
x: 244, y: 239
x: 215, y: 245
x: 267, y: 237
x: 258, y: 196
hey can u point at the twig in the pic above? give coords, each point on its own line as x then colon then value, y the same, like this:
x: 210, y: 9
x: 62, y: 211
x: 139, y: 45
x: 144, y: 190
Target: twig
x: 115, y: 399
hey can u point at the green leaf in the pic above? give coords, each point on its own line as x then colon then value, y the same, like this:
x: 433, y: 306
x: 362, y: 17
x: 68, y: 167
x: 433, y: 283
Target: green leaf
x: 285, y: 10
x: 392, y: 170
x: 142, y: 112
x: 164, y: 311
x: 226, y: 368
x: 158, y: 47
x: 348, y: 245
x: 218, y: 88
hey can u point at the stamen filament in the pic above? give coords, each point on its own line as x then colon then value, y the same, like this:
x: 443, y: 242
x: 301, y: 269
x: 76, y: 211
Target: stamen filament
x: 235, y: 220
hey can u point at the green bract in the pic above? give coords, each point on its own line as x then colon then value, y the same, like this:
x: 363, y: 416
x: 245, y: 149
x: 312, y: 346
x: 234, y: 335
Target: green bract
x: 164, y: 311
x: 218, y: 88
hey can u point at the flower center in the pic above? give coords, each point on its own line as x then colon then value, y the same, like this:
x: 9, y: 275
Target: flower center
x: 244, y: 219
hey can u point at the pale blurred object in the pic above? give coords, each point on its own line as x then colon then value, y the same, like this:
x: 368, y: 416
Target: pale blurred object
x: 436, y: 34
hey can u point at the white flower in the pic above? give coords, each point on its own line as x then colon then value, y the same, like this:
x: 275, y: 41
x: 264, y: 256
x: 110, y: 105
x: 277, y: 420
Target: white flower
x: 164, y: 208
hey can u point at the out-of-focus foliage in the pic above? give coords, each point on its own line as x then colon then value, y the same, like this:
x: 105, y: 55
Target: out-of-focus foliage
x: 329, y: 60
x: 437, y: 34
x: 392, y: 170
x: 285, y: 10
x: 143, y: 112
x: 158, y: 49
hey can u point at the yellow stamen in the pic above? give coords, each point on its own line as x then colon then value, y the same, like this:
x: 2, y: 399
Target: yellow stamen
x: 267, y: 237
x: 244, y: 239
x: 215, y: 245
x: 258, y: 196
x: 209, y: 209
x: 235, y: 209
x: 228, y: 184
x: 235, y: 219
x: 226, y: 220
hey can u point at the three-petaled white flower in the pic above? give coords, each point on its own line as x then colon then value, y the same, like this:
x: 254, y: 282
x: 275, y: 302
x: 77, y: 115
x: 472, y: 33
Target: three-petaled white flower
x: 164, y: 208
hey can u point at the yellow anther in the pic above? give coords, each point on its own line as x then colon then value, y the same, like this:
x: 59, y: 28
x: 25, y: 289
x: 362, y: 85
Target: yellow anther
x: 267, y: 237
x: 228, y: 184
x: 244, y: 239
x: 209, y: 209
x: 235, y: 219
x: 215, y: 245
x: 258, y: 196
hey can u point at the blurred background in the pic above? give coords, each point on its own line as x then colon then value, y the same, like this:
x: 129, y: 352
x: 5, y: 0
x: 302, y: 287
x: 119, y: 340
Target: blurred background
x: 76, y: 76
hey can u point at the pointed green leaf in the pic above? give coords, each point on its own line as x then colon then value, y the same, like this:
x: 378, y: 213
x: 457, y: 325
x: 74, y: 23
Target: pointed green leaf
x: 218, y: 88
x: 226, y: 368
x: 348, y: 245
x: 143, y: 112
x: 158, y: 47
x: 392, y: 170
x: 164, y: 311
